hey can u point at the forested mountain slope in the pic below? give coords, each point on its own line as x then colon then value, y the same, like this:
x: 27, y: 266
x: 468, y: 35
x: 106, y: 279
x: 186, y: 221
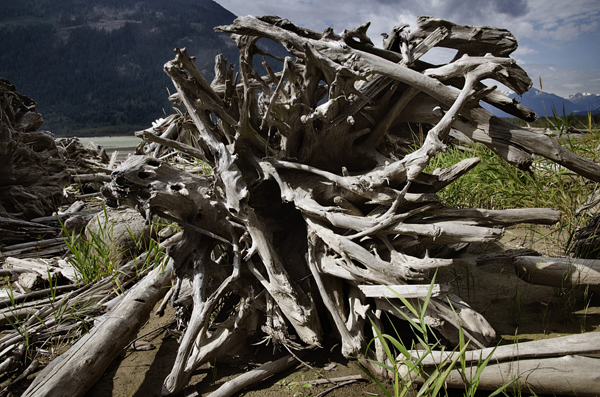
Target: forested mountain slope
x: 96, y: 66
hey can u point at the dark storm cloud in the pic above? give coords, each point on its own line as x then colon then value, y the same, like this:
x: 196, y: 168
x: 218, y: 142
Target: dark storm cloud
x: 514, y: 8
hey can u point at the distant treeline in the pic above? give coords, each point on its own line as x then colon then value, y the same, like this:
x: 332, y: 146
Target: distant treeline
x: 87, y: 79
x: 576, y: 121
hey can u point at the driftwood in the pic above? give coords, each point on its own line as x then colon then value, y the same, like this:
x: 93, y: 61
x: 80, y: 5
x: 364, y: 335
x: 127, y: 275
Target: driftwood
x: 588, y: 343
x: 559, y: 272
x: 298, y: 193
x: 84, y: 363
x: 542, y: 366
x: 565, y: 376
x: 36, y: 169
x: 312, y: 190
x: 62, y: 312
x: 254, y: 376
x: 33, y: 173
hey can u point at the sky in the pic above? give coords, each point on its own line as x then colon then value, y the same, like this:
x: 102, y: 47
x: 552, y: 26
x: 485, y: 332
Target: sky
x: 559, y: 40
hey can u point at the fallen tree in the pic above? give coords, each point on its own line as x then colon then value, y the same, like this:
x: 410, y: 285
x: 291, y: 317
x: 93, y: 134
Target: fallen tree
x: 298, y: 190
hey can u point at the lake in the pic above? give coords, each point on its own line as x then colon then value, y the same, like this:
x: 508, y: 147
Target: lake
x: 112, y: 143
x: 122, y: 144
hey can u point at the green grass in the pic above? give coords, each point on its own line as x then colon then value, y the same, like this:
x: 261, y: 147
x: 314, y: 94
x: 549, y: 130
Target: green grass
x: 578, y: 121
x: 495, y: 184
x: 406, y: 371
x: 94, y: 258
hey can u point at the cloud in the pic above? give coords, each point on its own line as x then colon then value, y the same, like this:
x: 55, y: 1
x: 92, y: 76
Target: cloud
x: 573, y: 86
x: 524, y: 50
x: 537, y: 19
x: 592, y: 27
x: 514, y: 8
x: 565, y: 82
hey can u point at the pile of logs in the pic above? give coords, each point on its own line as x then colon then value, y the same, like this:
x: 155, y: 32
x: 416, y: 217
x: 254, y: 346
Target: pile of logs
x: 33, y: 172
x: 37, y: 171
x: 317, y: 204
x: 39, y: 176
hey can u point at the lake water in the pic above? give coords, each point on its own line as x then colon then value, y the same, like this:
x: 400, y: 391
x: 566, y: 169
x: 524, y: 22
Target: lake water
x: 122, y: 144
x: 112, y: 143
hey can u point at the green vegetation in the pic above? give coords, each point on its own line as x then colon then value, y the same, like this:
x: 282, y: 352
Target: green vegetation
x: 94, y: 259
x: 577, y: 121
x: 95, y: 68
x: 495, y: 184
x: 407, y: 371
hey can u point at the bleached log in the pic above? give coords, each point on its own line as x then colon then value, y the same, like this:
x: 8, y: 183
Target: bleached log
x: 499, y: 42
x: 564, y: 376
x: 41, y: 268
x: 352, y: 343
x: 37, y: 294
x: 113, y: 160
x: 587, y: 343
x: 256, y: 375
x: 406, y: 291
x: 75, y: 207
x: 503, y: 218
x: 76, y: 370
x: 559, y: 272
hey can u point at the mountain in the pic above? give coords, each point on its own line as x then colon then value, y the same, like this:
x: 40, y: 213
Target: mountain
x: 97, y: 65
x: 585, y: 101
x: 543, y: 102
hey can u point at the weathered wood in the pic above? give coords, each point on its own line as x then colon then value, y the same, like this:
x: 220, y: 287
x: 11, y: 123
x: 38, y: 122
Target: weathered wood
x: 13, y: 230
x: 37, y: 294
x: 75, y: 371
x: 472, y: 40
x: 406, y: 291
x: 314, y: 187
x: 587, y: 343
x: 564, y: 376
x: 91, y: 178
x: 256, y: 375
x: 559, y: 272
x: 488, y: 124
x: 503, y: 218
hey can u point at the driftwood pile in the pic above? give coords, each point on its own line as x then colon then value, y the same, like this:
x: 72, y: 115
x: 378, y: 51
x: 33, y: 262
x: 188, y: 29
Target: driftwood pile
x: 37, y: 171
x: 44, y: 182
x: 318, y: 202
